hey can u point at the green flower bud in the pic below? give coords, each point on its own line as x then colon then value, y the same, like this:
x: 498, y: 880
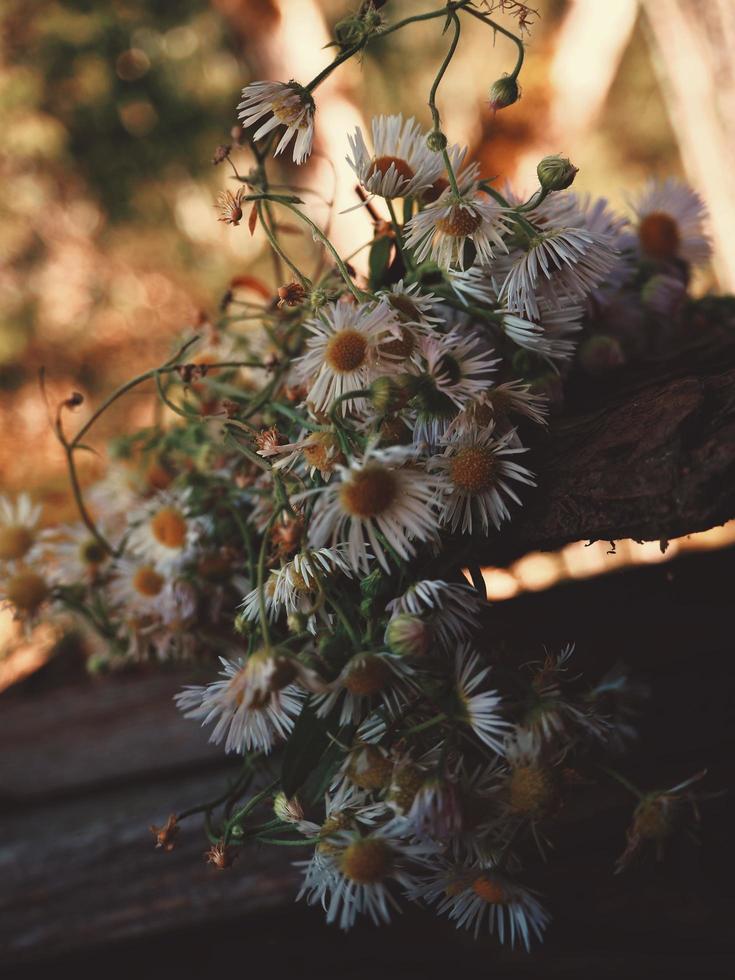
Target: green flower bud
x: 408, y: 636
x: 504, y: 92
x: 389, y: 394
x: 600, y: 354
x: 556, y: 173
x: 436, y: 141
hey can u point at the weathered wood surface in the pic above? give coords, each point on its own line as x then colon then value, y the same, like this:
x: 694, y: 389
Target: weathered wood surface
x: 84, y: 770
x: 647, y: 453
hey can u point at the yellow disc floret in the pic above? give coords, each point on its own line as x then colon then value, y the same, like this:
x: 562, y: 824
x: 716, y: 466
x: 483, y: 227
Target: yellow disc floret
x: 367, y: 861
x: 369, y: 491
x: 473, y: 469
x: 169, y: 528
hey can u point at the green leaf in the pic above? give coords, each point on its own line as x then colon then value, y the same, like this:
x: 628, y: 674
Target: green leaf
x: 379, y: 256
x: 306, y: 746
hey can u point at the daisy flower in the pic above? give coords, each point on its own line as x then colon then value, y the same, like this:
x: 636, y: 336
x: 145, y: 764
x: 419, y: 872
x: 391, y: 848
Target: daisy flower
x: 471, y: 896
x: 453, y: 609
x: 354, y: 878
x: 401, y: 163
x: 24, y: 588
x: 500, y: 403
x: 163, y: 533
x: 344, y: 352
x: 286, y: 104
x: 441, y: 230
x: 250, y: 606
x: 300, y: 578
x: 383, y: 501
x: 460, y: 366
x: 479, y: 710
x: 365, y: 678
x: 478, y: 472
x: 137, y: 587
x: 563, y: 264
x: 669, y: 222
x: 319, y: 450
x: 254, y: 706
x: 77, y: 555
x: 18, y: 527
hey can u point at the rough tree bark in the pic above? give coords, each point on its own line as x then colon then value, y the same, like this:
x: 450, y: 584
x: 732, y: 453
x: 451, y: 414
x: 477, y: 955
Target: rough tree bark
x: 647, y: 453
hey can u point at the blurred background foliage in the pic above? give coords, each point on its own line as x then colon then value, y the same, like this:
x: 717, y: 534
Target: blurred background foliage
x: 110, y: 114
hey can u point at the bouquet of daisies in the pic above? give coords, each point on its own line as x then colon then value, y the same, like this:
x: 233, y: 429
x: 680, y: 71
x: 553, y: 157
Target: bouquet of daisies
x: 328, y: 452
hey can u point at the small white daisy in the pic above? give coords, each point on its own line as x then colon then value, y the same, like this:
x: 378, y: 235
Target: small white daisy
x: 18, y: 527
x: 254, y: 706
x: 442, y: 229
x: 163, y: 533
x: 452, y: 608
x: 479, y: 474
x: 669, y: 222
x: 561, y: 264
x: 479, y: 710
x: 77, y: 556
x: 354, y: 877
x: 136, y: 587
x: 320, y: 451
x: 287, y: 104
x: 471, y: 896
x: 24, y: 588
x: 401, y: 164
x: 382, y: 503
x: 345, y: 351
x: 460, y: 366
x: 250, y: 606
x: 300, y: 578
x: 500, y: 403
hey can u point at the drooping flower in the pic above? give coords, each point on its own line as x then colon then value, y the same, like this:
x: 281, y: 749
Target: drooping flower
x: 442, y: 230
x: 254, y: 706
x: 367, y: 678
x: 473, y: 895
x: 478, y: 709
x: 400, y: 165
x: 562, y: 265
x: 285, y: 104
x: 452, y: 609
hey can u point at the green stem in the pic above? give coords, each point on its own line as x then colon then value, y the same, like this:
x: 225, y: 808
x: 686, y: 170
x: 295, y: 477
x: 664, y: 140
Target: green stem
x: 432, y: 99
x: 275, y: 245
x: 509, y: 34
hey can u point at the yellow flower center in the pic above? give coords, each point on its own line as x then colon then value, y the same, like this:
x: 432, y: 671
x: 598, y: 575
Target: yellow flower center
x: 368, y: 676
x: 369, y: 492
x: 15, y: 541
x: 532, y: 789
x: 473, y: 469
x: 339, y: 820
x: 169, y: 528
x: 367, y: 861
x: 369, y: 768
x: 489, y: 890
x: 26, y: 591
x: 659, y: 235
x: 383, y: 164
x: 147, y: 582
x: 460, y: 222
x: 346, y: 351
x: 287, y: 110
x: 652, y: 819
x: 321, y: 451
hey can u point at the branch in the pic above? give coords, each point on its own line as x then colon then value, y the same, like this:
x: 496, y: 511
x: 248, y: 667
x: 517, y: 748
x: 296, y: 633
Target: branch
x: 648, y: 454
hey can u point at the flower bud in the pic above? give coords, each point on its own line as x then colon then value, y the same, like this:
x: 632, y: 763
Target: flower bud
x: 556, y: 173
x: 289, y: 811
x: 436, y: 141
x: 600, y: 354
x: 388, y: 394
x: 504, y: 92
x: 408, y: 636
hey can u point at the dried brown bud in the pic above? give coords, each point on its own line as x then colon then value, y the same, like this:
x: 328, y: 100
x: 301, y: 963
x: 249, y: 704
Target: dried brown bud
x: 230, y: 408
x: 229, y: 206
x: 292, y: 294
x: 166, y: 835
x: 221, y: 154
x: 221, y: 856
x: 268, y: 441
